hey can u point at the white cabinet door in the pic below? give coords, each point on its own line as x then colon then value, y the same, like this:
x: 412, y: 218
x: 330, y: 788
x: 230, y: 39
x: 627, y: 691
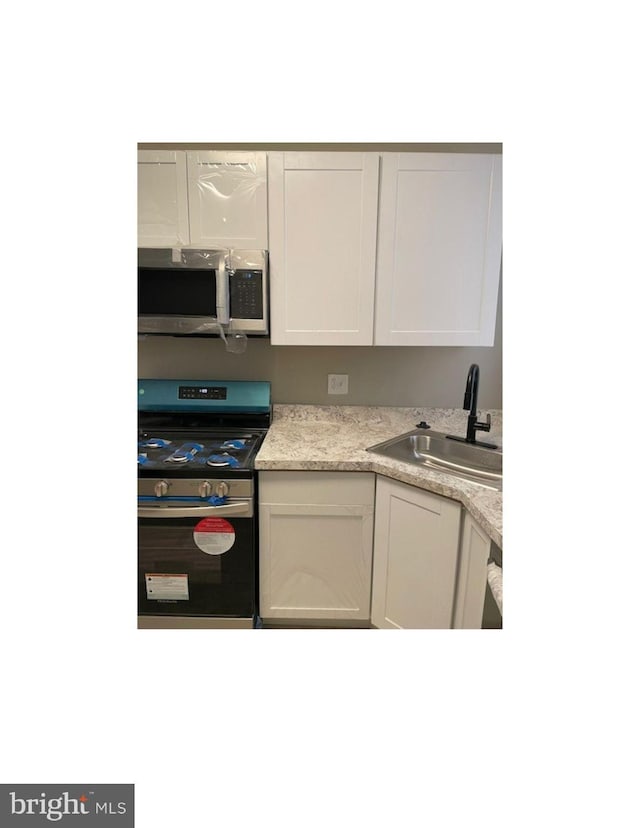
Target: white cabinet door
x: 163, y: 212
x: 322, y: 247
x: 316, y: 539
x: 415, y: 558
x: 439, y: 249
x: 472, y: 578
x: 228, y: 199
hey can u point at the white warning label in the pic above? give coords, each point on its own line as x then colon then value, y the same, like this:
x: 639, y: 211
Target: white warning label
x: 167, y: 587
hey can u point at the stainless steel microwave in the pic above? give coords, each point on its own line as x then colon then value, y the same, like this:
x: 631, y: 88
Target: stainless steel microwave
x: 184, y: 291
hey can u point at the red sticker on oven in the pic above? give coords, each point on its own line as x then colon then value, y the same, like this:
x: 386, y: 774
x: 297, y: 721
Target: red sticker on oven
x: 214, y: 535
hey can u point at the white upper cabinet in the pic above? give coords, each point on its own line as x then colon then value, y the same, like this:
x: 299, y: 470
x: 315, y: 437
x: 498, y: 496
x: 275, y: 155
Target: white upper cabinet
x: 212, y: 199
x: 439, y: 249
x: 163, y: 211
x: 228, y: 199
x: 322, y: 247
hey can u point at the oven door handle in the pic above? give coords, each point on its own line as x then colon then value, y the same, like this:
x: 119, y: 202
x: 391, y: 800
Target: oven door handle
x: 231, y: 509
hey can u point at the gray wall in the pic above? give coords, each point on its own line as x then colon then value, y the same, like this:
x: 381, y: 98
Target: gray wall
x: 427, y: 376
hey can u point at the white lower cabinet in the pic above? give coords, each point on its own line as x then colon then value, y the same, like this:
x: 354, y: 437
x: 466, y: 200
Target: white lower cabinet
x: 475, y: 549
x: 316, y: 544
x: 415, y: 558
x: 420, y: 563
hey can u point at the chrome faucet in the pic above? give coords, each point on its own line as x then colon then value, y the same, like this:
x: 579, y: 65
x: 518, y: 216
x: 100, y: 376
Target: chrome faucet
x: 471, y: 405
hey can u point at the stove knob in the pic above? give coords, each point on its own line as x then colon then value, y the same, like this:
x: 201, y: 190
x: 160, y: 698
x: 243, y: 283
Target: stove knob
x: 161, y: 488
x: 204, y: 489
x: 222, y: 489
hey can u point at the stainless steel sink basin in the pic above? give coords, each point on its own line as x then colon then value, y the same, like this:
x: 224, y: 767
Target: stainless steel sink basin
x: 435, y: 450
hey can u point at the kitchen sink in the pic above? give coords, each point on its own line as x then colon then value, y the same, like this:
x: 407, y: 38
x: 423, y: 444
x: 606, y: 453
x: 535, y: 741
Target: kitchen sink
x: 437, y: 451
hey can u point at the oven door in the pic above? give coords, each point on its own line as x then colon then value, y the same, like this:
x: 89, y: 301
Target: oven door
x: 197, y: 561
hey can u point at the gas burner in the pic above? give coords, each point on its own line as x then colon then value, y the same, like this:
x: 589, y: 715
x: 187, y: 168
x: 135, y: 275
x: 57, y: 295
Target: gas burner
x: 219, y: 460
x: 185, y: 453
x: 154, y: 443
x: 234, y: 445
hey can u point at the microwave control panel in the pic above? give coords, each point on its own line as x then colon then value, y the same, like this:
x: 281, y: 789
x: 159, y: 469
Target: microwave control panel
x: 245, y: 294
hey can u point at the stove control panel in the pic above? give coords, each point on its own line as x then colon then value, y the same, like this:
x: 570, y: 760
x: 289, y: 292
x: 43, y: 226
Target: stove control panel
x: 201, y: 392
x: 192, y: 487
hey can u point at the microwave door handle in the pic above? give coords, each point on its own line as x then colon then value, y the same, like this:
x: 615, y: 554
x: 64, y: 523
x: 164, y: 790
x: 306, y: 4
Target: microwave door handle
x: 222, y: 292
x: 229, y: 509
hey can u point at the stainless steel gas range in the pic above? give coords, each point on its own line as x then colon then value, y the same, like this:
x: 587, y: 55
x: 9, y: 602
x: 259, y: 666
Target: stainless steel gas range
x: 197, y: 515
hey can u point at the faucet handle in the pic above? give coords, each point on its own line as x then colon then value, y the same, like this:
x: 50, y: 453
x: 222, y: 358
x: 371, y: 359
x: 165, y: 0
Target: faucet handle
x: 484, y: 426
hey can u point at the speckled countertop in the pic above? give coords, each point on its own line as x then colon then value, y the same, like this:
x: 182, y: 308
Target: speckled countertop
x: 335, y: 438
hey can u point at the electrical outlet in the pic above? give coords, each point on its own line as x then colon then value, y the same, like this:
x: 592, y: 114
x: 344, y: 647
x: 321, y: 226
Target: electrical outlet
x: 338, y: 384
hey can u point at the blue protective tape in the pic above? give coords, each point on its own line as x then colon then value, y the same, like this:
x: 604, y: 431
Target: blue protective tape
x: 217, y: 501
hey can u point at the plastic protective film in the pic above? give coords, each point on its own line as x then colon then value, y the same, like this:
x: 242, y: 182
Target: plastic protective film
x: 182, y: 325
x: 247, y: 259
x: 181, y: 257
x: 227, y: 184
x: 235, y: 342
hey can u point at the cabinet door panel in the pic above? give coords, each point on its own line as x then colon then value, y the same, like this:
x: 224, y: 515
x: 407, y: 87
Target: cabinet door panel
x: 319, y: 561
x: 163, y: 213
x: 415, y: 558
x: 316, y: 543
x: 472, y: 579
x: 439, y: 249
x: 228, y: 199
x: 322, y: 243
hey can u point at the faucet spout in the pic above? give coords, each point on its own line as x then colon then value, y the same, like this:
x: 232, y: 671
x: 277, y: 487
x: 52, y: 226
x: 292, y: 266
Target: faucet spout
x: 471, y: 405
x: 471, y: 391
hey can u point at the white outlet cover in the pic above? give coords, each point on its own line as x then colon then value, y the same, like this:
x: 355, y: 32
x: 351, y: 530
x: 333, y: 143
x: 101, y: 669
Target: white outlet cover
x: 338, y: 384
